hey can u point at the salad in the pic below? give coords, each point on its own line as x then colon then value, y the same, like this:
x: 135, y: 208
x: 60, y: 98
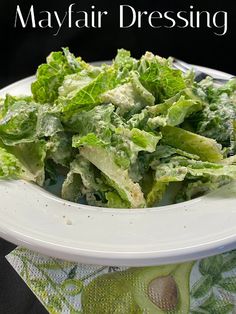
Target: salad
x: 120, y: 135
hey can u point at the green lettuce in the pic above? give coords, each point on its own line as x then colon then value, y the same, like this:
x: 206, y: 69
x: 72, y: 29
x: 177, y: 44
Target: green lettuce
x: 104, y: 161
x: 84, y: 180
x: 23, y: 161
x: 219, y: 113
x: 123, y: 61
x: 198, y: 168
x: 176, y: 114
x: 159, y: 78
x: 128, y: 134
x: 50, y: 75
x: 59, y: 149
x: 131, y: 96
x: 81, y: 181
x: 10, y: 166
x: 198, y: 176
x: 23, y: 121
x: 115, y: 201
x: 194, y: 188
x: 89, y: 93
x: 155, y: 195
x: 18, y: 120
x: 48, y: 122
x: 96, y: 120
x: 32, y: 157
x: 207, y: 149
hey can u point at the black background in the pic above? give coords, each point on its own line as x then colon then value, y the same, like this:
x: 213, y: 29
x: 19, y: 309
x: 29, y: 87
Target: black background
x: 22, y: 50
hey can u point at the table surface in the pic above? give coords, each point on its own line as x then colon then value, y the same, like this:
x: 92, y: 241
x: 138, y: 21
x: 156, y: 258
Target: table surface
x: 15, y: 296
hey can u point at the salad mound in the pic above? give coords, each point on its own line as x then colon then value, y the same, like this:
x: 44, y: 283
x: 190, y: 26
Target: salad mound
x: 121, y: 135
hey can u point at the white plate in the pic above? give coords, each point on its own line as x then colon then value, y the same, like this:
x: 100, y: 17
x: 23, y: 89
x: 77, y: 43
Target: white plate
x: 34, y: 218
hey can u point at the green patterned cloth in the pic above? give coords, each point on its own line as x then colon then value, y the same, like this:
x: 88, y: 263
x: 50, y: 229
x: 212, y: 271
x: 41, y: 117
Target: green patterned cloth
x: 204, y: 286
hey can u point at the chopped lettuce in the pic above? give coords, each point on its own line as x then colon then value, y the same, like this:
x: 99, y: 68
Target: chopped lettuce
x: 59, y: 149
x: 198, y: 176
x: 88, y: 93
x: 50, y: 75
x: 207, y: 149
x: 84, y: 180
x: 119, y: 178
x: 10, y: 166
x: 96, y: 120
x: 157, y: 75
x: 115, y: 201
x: 131, y: 96
x: 123, y: 60
x: 32, y: 157
x: 18, y: 120
x: 176, y: 113
x: 192, y: 189
x: 23, y: 161
x: 216, y: 120
x: 155, y: 194
x: 48, y: 122
x: 120, y: 135
x: 141, y: 139
x: 178, y: 167
x: 182, y: 109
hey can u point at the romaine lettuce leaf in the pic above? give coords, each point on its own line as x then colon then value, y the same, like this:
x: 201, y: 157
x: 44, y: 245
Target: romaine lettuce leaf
x: 84, y: 180
x: 89, y: 93
x: 131, y: 96
x: 72, y: 187
x: 126, y: 145
x: 216, y: 118
x: 48, y: 122
x: 170, y: 172
x: 23, y: 161
x: 59, y: 149
x: 143, y: 140
x: 232, y: 148
x: 198, y: 177
x: 156, y: 193
x: 159, y: 78
x: 18, y: 120
x: 178, y: 168
x: 176, y: 114
x: 174, y: 110
x: 115, y: 201
x: 139, y: 120
x: 94, y: 126
x: 32, y: 157
x: 192, y: 189
x: 123, y: 97
x: 90, y: 139
x: 123, y: 61
x: 198, y: 168
x: 162, y: 153
x: 104, y: 161
x: 207, y: 149
x: 50, y: 75
x: 96, y: 120
x: 23, y: 121
x: 97, y: 129
x: 182, y: 109
x: 74, y: 82
x: 10, y: 166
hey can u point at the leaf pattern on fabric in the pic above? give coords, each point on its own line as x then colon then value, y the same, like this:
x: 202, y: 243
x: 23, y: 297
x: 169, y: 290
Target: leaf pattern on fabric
x: 59, y: 284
